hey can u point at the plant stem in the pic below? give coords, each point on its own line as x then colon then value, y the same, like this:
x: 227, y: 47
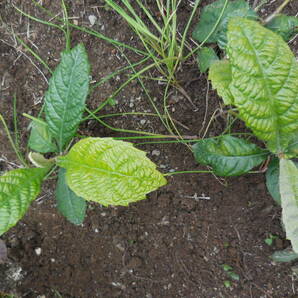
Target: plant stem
x: 17, y: 152
x: 186, y: 172
x: 277, y: 11
x: 65, y: 17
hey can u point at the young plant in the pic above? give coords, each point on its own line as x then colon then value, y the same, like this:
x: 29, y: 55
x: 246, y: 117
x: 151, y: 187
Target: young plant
x: 260, y: 79
x: 161, y: 39
x: 103, y: 170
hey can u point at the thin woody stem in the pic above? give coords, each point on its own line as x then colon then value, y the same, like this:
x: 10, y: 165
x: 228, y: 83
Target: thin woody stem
x: 277, y: 11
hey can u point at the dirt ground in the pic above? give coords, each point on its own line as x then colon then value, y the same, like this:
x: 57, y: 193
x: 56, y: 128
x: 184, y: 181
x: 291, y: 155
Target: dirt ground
x: 173, y: 244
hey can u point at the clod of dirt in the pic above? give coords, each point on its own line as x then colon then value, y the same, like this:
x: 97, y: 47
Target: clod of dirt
x: 3, y: 252
x: 134, y: 262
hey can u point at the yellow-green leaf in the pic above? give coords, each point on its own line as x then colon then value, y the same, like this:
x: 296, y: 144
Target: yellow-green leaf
x: 264, y: 82
x: 18, y: 188
x: 220, y: 74
x: 110, y: 172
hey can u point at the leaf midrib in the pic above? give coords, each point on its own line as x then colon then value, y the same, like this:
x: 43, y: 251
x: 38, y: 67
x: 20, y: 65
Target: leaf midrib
x: 109, y: 173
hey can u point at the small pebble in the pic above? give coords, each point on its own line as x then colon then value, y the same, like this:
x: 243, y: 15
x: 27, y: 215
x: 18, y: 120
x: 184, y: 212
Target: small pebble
x: 143, y: 121
x: 155, y: 152
x: 3, y: 252
x: 92, y: 19
x: 38, y: 251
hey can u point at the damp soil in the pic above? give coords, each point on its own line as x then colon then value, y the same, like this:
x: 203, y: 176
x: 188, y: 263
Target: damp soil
x: 174, y: 243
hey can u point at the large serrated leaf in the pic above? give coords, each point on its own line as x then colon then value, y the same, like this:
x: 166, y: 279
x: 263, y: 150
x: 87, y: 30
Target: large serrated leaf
x: 220, y: 74
x: 68, y: 203
x: 110, y: 172
x: 210, y: 15
x: 264, y: 82
x: 18, y: 188
x: 228, y: 156
x: 66, y: 96
x: 286, y: 26
x: 288, y: 185
x: 40, y: 139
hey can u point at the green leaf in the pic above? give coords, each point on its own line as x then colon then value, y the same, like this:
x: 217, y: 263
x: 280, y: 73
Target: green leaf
x: 292, y: 150
x: 227, y: 283
x: 226, y: 267
x: 272, y: 180
x: 264, y: 82
x: 220, y: 74
x: 110, y: 172
x: 40, y: 139
x: 210, y: 15
x: 228, y: 156
x: 68, y: 203
x: 206, y: 56
x: 284, y: 256
x: 286, y: 26
x: 18, y: 188
x: 40, y: 161
x: 66, y: 96
x: 233, y: 276
x: 288, y: 185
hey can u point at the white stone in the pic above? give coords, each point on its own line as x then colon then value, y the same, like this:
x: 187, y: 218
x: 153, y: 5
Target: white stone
x: 92, y: 19
x: 155, y: 152
x: 38, y: 251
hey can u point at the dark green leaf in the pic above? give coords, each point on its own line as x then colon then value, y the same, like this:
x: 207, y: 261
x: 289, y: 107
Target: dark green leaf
x: 284, y: 256
x: 206, y: 56
x: 40, y: 139
x: 210, y: 15
x: 272, y: 180
x: 286, y: 26
x: 69, y: 204
x: 228, y: 156
x: 66, y: 96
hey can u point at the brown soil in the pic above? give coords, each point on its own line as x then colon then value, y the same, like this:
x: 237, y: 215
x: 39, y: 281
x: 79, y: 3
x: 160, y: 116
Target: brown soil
x: 174, y: 243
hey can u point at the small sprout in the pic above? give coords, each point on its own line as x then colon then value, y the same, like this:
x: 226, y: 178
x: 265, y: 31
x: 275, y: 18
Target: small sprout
x: 227, y: 284
x: 270, y: 239
x: 226, y: 267
x: 230, y: 273
x: 233, y: 276
x: 226, y: 244
x: 131, y: 241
